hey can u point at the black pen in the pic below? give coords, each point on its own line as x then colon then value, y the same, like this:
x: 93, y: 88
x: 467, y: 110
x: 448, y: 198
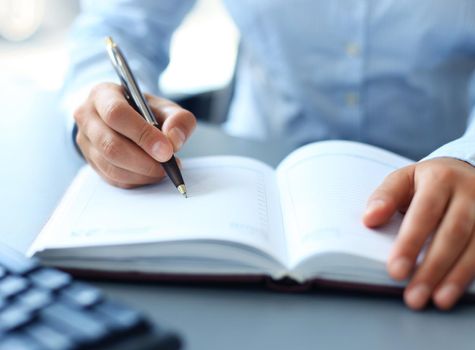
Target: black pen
x: 136, y: 99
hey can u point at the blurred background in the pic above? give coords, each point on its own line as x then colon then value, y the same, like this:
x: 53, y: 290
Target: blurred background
x: 33, y: 55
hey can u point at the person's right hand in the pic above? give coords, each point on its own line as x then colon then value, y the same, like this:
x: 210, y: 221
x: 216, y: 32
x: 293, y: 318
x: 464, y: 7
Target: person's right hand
x: 120, y: 145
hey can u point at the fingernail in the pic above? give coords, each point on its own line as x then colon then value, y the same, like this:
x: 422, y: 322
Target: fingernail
x: 417, y: 296
x: 160, y: 151
x: 399, y: 268
x: 447, y: 294
x: 374, y: 205
x: 177, y: 137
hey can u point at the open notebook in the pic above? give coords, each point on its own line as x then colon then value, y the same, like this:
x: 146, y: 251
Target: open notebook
x: 301, y: 221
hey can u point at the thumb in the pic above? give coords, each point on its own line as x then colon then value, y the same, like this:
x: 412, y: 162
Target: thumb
x: 177, y: 122
x: 394, y: 193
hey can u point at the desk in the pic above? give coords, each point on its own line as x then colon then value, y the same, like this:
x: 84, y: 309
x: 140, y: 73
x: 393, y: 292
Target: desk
x: 38, y: 162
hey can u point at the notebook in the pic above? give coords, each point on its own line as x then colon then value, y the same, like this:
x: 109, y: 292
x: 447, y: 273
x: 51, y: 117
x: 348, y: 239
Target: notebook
x: 243, y: 220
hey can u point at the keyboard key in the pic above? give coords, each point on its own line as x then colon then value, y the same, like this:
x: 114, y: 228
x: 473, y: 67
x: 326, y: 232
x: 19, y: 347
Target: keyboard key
x: 49, y: 337
x: 50, y: 278
x: 19, y: 342
x: 12, y: 285
x: 44, y: 309
x: 118, y: 316
x: 14, y: 316
x: 84, y: 327
x: 15, y: 262
x: 34, y: 299
x: 82, y: 295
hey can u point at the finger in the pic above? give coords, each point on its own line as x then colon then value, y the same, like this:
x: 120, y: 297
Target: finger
x: 422, y: 218
x: 177, y: 123
x: 119, y: 150
x: 114, y: 110
x: 455, y: 283
x: 450, y: 240
x: 109, y: 181
x: 395, y: 192
x: 81, y: 141
x: 85, y: 147
x: 115, y: 175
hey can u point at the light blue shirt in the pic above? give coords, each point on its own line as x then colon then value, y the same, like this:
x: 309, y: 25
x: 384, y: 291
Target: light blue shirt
x: 399, y: 74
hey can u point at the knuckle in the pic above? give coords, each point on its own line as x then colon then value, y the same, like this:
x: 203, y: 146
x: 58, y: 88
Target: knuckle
x: 98, y: 88
x: 440, y: 174
x: 109, y: 147
x: 114, y: 112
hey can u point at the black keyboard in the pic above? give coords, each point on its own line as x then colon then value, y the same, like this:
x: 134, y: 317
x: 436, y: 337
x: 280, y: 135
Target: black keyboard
x: 43, y: 308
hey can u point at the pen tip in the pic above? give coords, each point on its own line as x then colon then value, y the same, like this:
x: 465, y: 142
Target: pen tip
x: 182, y: 190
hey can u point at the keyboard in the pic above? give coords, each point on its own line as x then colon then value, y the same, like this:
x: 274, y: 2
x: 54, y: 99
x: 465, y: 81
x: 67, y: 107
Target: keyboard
x: 43, y: 308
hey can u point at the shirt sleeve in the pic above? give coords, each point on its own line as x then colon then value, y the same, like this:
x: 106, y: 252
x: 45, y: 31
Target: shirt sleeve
x: 142, y: 29
x: 462, y: 148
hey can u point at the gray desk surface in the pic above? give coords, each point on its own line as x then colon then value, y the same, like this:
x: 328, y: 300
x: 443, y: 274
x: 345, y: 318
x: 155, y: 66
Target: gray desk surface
x: 37, y: 163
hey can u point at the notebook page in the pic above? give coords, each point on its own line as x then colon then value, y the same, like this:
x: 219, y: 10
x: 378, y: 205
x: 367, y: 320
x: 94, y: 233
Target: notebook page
x: 230, y: 198
x: 324, y: 189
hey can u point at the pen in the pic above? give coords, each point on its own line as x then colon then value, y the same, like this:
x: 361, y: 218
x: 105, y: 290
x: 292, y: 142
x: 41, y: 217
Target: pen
x: 136, y: 99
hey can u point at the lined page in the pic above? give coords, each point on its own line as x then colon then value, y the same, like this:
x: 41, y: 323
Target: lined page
x: 230, y: 198
x: 324, y: 189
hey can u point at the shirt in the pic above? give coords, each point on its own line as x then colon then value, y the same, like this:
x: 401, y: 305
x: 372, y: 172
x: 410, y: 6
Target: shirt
x: 398, y: 74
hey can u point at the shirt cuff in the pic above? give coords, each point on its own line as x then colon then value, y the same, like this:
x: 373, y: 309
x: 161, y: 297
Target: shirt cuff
x: 461, y: 149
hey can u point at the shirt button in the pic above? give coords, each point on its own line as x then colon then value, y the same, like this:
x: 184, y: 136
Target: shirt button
x: 352, y: 99
x: 353, y: 49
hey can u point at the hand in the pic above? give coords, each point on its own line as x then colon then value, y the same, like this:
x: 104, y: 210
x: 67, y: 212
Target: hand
x: 120, y: 145
x: 438, y: 197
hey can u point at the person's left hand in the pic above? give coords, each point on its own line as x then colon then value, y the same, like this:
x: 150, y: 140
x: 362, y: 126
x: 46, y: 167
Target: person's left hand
x: 438, y: 198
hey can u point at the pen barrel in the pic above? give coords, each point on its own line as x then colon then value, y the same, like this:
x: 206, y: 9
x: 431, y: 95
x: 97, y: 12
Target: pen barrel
x: 173, y: 172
